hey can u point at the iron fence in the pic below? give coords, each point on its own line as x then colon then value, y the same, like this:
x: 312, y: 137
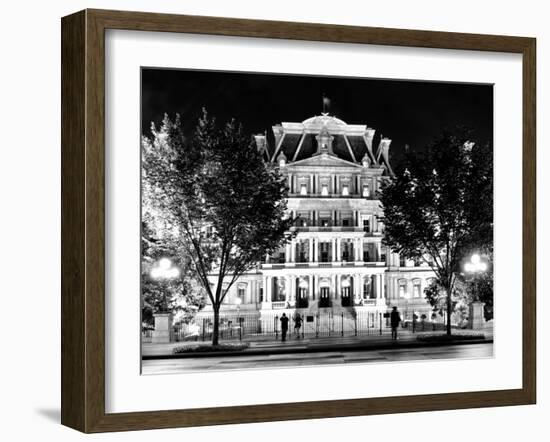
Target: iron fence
x: 255, y: 327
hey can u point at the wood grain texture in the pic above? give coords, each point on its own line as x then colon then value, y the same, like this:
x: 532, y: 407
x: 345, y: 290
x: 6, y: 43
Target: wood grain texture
x: 83, y: 218
x: 73, y: 129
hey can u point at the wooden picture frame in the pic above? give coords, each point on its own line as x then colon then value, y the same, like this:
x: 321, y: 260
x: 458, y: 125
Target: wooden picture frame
x: 83, y: 220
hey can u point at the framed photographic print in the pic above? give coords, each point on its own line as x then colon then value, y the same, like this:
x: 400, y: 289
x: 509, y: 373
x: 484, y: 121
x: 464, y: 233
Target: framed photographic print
x: 267, y: 221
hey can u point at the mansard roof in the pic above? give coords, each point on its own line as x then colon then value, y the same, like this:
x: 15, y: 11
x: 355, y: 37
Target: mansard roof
x: 348, y: 142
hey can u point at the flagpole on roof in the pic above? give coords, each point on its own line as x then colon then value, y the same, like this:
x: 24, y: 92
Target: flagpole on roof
x: 326, y: 103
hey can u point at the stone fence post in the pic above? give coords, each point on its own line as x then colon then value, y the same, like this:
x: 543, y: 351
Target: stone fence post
x: 476, y: 319
x: 163, y: 328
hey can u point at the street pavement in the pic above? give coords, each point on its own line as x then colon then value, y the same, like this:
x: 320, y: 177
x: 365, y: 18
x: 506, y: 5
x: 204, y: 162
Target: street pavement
x: 181, y: 365
x: 310, y: 343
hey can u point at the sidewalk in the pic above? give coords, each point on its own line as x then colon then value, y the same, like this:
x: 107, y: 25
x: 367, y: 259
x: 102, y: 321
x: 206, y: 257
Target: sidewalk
x: 406, y: 339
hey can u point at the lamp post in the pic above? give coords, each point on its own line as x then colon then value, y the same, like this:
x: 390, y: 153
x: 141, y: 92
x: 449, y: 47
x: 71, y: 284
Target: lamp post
x: 238, y: 301
x: 164, y: 270
x: 475, y: 267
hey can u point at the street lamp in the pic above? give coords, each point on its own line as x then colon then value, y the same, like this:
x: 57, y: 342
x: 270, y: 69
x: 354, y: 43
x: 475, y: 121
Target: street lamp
x: 475, y: 267
x: 164, y: 270
x: 238, y: 301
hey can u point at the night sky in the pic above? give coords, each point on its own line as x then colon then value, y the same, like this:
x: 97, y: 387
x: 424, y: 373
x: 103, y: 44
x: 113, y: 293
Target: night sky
x: 408, y: 112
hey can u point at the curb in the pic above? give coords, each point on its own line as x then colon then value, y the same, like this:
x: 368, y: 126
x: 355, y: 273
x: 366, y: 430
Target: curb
x: 317, y: 349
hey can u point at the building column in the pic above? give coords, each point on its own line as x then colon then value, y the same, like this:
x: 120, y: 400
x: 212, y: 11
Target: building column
x: 292, y: 251
x: 292, y: 289
x: 378, y: 251
x: 355, y: 288
x: 338, y: 249
x: 316, y: 290
x: 333, y: 286
x: 333, y: 249
x: 379, y: 287
x: 268, y: 289
x: 315, y: 249
x: 381, y: 298
x: 310, y: 287
x: 288, y: 248
x: 287, y: 289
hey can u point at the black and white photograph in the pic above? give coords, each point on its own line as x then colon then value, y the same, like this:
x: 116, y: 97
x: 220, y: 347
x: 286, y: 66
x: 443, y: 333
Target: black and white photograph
x: 302, y: 220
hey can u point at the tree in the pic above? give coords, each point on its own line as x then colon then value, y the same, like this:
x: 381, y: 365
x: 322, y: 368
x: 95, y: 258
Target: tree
x: 180, y: 295
x: 215, y: 198
x: 439, y: 207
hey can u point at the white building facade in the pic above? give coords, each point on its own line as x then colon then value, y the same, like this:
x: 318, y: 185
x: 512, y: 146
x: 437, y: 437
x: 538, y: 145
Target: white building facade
x: 337, y: 262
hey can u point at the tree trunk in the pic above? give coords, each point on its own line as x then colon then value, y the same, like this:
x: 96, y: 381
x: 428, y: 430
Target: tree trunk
x: 449, y: 311
x: 216, y: 326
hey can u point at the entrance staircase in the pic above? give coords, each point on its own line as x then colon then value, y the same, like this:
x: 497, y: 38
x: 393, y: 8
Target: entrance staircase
x: 330, y: 320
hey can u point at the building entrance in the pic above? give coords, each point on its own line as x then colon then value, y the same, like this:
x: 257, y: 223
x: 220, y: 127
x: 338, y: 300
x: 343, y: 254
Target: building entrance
x: 324, y: 297
x: 302, y: 298
x: 346, y: 298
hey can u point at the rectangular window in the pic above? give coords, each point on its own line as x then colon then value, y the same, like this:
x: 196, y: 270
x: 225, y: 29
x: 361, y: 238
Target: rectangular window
x: 324, y: 246
x: 240, y: 294
x: 366, y: 225
x: 402, y: 290
x: 416, y: 289
x: 303, y: 189
x: 366, y: 191
x: 345, y: 190
x: 324, y: 190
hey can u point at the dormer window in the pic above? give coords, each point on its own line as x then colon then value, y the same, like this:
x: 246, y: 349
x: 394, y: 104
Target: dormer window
x: 303, y: 189
x: 345, y: 190
x: 282, y: 160
x: 324, y: 190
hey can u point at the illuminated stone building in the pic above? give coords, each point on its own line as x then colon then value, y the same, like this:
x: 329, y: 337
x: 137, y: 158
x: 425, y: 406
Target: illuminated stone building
x: 337, y: 262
